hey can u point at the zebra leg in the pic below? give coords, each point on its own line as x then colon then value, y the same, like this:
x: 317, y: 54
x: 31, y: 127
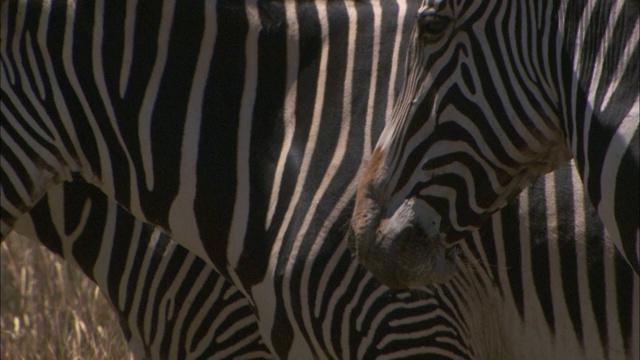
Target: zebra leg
x: 170, y: 303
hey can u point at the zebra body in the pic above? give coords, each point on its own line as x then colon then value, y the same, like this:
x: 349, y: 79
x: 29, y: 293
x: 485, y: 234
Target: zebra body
x: 154, y: 113
x: 496, y: 94
x: 181, y: 154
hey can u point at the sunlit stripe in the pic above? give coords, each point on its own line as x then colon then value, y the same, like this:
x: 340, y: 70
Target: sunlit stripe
x: 564, y: 330
x: 179, y: 316
x: 263, y: 289
x: 39, y: 180
x: 331, y: 299
x: 624, y: 63
x: 21, y: 191
x: 591, y: 339
x: 152, y: 89
x: 463, y: 172
x: 103, y: 262
x: 515, y: 70
x: 520, y: 71
x: 495, y: 78
x: 137, y: 297
x: 35, y: 69
x: 63, y: 112
x: 10, y: 209
x: 608, y: 41
x: 482, y: 263
x: 190, y: 298
x: 378, y: 319
x: 451, y: 195
x: 528, y: 35
x: 24, y: 115
x: 237, y: 327
x: 289, y: 117
x: 350, y: 309
x: 331, y: 171
x: 373, y: 85
x: 402, y: 10
x: 182, y: 217
x: 241, y: 204
x: 308, y: 151
x: 473, y: 129
x: 577, y: 62
x: 36, y: 146
x: 547, y: 42
x: 332, y: 265
x: 127, y: 53
x: 124, y: 287
x: 392, y: 336
x: 446, y: 147
x: 620, y: 143
x: 98, y: 74
x: 588, y: 117
x: 389, y: 339
x: 152, y: 291
x: 24, y: 80
x: 103, y: 149
x: 530, y: 302
x: 433, y: 351
x: 4, y: 34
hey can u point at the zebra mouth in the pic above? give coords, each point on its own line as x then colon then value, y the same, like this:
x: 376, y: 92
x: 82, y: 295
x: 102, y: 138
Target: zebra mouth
x: 400, y: 253
x: 409, y: 260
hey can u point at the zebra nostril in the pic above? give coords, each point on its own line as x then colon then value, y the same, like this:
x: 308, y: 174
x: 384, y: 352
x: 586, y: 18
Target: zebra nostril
x: 412, y: 233
x: 406, y: 234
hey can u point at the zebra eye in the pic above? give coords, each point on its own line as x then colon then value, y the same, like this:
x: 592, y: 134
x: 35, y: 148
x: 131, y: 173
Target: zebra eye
x: 432, y: 25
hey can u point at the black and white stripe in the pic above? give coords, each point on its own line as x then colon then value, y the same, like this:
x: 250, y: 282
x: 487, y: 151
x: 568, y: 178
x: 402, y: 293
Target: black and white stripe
x: 499, y: 93
x: 170, y: 303
x: 161, y: 118
x: 506, y: 301
x: 188, y: 114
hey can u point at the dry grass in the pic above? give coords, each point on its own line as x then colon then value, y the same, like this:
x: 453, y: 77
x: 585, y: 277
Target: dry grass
x: 50, y: 310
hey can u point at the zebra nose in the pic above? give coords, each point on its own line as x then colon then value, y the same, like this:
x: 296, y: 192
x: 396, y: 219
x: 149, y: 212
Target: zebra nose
x: 408, y: 234
x: 410, y: 242
x: 402, y: 231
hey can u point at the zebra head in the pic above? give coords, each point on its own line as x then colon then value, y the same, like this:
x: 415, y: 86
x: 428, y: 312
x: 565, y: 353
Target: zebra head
x: 465, y: 137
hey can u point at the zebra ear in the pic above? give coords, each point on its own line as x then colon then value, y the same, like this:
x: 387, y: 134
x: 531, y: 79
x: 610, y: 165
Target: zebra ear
x: 431, y: 25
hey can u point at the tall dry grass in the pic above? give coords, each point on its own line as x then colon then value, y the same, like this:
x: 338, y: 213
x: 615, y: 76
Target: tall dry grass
x: 50, y: 310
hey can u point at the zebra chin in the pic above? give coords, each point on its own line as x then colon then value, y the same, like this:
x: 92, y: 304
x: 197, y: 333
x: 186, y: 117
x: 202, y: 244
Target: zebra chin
x: 399, y: 251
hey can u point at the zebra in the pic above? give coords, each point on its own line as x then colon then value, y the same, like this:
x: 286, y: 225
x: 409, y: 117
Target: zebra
x: 65, y: 72
x: 170, y: 303
x: 290, y: 258
x: 497, y: 93
x: 143, y: 272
